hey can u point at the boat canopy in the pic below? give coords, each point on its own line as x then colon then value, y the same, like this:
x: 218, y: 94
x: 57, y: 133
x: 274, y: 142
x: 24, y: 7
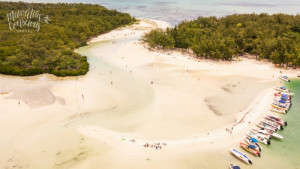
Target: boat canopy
x: 253, y: 140
x: 236, y: 167
x: 285, y: 77
x: 283, y: 87
x: 251, y: 146
x: 281, y: 101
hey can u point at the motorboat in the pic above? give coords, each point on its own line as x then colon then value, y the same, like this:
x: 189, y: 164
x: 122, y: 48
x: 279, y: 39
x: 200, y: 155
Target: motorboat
x: 272, y: 124
x: 284, y: 78
x: 279, y: 106
x: 260, y: 138
x: 240, y: 156
x: 250, y: 149
x: 282, y: 100
x: 287, y: 93
x: 283, y: 96
x: 282, y: 89
x: 265, y: 126
x: 282, y: 104
x: 274, y: 109
x: 275, y: 119
x: 272, y: 133
x: 265, y: 134
x: 232, y: 166
x: 254, y: 142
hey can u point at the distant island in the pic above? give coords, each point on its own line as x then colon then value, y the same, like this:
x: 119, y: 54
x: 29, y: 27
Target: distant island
x: 38, y: 38
x: 273, y: 37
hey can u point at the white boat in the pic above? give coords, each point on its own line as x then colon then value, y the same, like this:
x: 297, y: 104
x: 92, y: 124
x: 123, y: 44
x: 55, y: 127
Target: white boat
x: 278, y: 99
x: 274, y: 109
x: 265, y: 126
x: 254, y: 142
x: 263, y: 133
x: 284, y: 78
x: 282, y: 89
x: 272, y: 124
x: 283, y: 96
x: 275, y: 119
x: 287, y: 93
x: 270, y: 133
x: 260, y: 138
x: 279, y: 107
x: 276, y: 135
x: 240, y: 156
x: 282, y: 104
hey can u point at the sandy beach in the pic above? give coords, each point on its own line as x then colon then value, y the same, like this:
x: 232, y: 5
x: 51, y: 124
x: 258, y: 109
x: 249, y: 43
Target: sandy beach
x: 130, y: 97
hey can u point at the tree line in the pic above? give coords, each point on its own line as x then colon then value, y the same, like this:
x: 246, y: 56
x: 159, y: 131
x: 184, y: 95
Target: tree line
x: 275, y: 37
x: 51, y: 49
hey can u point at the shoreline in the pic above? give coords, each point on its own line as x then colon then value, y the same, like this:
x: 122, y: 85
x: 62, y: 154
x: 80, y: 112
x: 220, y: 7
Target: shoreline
x: 255, y: 109
x: 86, y: 130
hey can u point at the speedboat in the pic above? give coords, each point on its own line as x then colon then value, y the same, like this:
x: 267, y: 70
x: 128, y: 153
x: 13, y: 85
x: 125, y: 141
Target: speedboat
x: 284, y: 78
x: 258, y: 137
x: 240, y: 156
x: 282, y: 100
x: 265, y: 134
x: 283, y: 96
x: 272, y: 124
x: 279, y: 107
x: 232, y: 166
x: 275, y: 119
x: 277, y: 110
x: 282, y: 104
x: 265, y: 126
x: 254, y: 142
x: 282, y: 89
x: 250, y: 149
x: 272, y: 133
x: 287, y: 93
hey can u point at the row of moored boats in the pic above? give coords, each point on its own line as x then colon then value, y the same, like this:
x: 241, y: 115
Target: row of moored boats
x: 267, y: 127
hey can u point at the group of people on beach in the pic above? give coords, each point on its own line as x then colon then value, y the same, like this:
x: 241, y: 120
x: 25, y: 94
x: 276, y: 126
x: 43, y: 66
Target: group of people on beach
x: 157, y: 146
x: 229, y: 130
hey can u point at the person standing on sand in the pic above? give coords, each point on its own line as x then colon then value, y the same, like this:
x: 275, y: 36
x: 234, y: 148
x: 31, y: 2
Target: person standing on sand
x: 82, y: 97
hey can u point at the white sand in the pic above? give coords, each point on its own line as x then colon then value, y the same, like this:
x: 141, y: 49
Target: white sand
x: 80, y: 122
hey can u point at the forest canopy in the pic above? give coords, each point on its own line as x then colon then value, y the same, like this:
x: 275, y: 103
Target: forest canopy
x: 50, y: 49
x: 275, y: 37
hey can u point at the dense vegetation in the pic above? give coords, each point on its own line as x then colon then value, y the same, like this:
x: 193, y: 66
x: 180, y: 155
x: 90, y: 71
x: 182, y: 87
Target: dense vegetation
x: 50, y: 50
x: 274, y: 37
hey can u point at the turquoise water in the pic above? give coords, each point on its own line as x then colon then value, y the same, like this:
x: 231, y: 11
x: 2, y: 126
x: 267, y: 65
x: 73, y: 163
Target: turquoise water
x: 290, y: 147
x: 174, y: 11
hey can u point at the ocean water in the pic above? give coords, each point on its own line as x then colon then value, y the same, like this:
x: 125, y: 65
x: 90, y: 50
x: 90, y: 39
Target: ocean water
x: 174, y: 11
x: 290, y: 147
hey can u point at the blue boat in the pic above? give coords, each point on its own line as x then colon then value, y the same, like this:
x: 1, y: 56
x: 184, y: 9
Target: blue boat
x: 232, y: 166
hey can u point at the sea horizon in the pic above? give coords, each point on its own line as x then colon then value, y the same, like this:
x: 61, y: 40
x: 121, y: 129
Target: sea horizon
x: 176, y: 11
